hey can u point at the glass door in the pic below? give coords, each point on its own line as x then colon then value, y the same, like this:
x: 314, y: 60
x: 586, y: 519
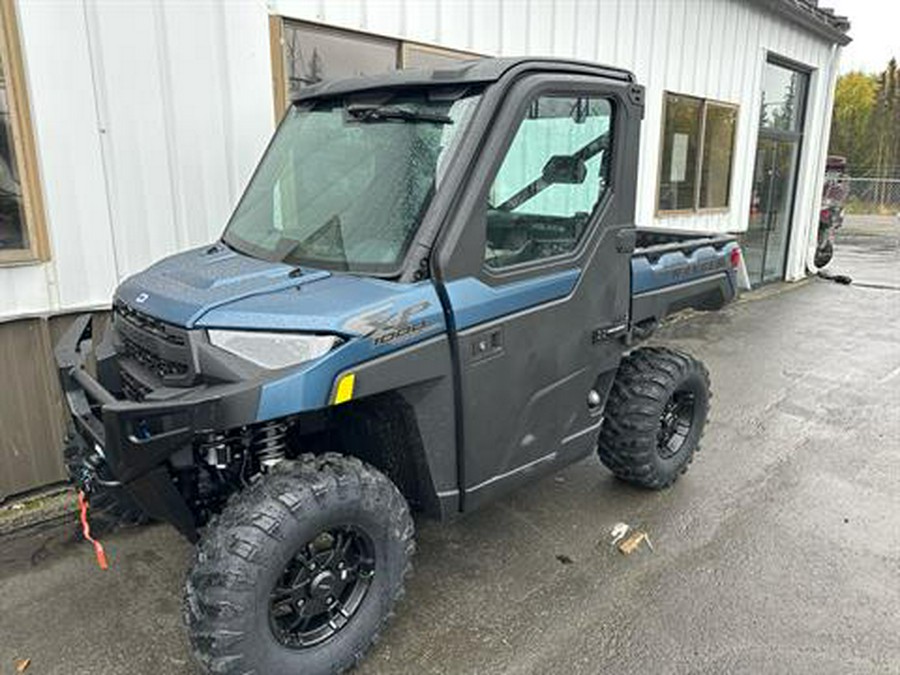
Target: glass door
x: 766, y: 240
x: 765, y: 243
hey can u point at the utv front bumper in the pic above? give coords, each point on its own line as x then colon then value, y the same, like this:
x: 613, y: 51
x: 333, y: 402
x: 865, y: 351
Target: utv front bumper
x: 126, y: 444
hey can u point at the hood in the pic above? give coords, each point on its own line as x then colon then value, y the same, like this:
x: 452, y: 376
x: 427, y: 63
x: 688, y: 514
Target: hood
x: 216, y: 287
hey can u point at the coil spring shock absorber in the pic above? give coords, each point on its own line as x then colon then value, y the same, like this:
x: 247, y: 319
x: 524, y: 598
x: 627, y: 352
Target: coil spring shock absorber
x: 269, y: 443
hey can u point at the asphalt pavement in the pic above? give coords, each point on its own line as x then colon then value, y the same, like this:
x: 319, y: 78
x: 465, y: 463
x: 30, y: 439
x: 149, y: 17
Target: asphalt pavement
x: 778, y: 552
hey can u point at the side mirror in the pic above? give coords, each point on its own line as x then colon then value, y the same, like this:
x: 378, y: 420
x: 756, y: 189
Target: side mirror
x: 565, y: 169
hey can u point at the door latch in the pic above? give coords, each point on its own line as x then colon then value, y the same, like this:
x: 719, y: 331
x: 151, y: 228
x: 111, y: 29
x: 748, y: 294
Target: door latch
x: 485, y: 345
x: 626, y: 240
x: 609, y: 333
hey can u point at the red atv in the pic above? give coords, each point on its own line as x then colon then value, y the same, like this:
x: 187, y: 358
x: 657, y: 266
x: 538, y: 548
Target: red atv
x: 831, y: 216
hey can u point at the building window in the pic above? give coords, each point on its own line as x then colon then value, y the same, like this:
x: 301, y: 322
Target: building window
x: 22, y: 235
x: 306, y: 53
x: 718, y: 148
x: 697, y: 154
x: 552, y: 179
x: 314, y: 53
x: 415, y: 55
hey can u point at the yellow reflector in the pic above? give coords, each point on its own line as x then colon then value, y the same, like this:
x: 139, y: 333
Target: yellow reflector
x: 344, y: 388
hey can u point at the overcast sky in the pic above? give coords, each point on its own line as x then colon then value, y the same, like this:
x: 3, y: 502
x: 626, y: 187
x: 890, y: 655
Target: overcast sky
x: 875, y: 29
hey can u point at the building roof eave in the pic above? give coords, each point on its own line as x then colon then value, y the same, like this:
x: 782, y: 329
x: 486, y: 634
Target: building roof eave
x: 807, y: 14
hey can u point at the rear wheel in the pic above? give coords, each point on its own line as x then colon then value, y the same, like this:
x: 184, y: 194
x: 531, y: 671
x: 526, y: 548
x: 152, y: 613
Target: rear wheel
x: 301, y: 571
x: 654, y: 417
x: 824, y: 254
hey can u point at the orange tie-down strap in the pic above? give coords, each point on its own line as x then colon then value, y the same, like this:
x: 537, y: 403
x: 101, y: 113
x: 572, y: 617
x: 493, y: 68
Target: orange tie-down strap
x: 86, y: 531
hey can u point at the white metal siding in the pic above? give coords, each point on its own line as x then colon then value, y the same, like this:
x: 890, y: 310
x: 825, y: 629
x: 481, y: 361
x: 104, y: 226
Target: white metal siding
x: 151, y: 114
x: 149, y: 118
x: 57, y: 61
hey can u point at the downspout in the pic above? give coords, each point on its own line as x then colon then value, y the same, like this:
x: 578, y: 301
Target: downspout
x: 824, y: 137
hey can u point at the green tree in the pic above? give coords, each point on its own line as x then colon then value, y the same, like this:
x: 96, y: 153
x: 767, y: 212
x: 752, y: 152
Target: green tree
x: 865, y: 126
x: 884, y: 122
x: 852, y: 135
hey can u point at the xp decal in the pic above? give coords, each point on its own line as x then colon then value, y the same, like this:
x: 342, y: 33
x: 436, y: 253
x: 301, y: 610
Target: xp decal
x: 385, y: 326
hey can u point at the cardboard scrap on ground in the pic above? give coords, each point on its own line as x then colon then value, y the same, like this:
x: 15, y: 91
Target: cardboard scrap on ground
x: 629, y: 545
x: 627, y: 540
x: 21, y: 665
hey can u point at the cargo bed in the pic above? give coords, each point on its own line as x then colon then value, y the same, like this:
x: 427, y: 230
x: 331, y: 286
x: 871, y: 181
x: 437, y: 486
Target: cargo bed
x: 672, y: 270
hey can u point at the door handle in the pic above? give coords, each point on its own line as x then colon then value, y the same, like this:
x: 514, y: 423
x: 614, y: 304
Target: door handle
x: 609, y: 333
x: 486, y: 344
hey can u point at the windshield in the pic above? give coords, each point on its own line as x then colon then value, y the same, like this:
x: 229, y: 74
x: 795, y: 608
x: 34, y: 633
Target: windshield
x: 344, y: 184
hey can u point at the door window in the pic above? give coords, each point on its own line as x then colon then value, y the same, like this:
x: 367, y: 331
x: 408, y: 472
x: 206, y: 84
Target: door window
x: 554, y: 175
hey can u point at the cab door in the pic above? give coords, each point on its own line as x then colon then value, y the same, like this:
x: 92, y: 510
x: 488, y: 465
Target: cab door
x: 538, y: 278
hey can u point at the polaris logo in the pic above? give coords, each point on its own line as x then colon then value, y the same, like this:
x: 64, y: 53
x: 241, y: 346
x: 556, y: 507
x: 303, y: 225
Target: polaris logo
x: 142, y: 298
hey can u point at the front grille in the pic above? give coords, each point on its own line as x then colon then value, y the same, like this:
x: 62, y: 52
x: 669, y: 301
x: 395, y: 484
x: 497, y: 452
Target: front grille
x: 132, y: 388
x: 154, y: 363
x: 153, y: 347
x: 151, y: 325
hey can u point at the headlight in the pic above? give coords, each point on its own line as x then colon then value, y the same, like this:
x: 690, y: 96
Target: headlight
x: 273, y: 350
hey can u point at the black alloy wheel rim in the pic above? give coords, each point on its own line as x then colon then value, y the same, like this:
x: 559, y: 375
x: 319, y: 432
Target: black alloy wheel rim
x: 676, y: 421
x: 322, y: 587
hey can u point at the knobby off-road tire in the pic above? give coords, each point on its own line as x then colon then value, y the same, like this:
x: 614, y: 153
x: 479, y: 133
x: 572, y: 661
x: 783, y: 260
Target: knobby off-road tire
x: 237, y: 600
x: 654, y: 417
x: 824, y: 254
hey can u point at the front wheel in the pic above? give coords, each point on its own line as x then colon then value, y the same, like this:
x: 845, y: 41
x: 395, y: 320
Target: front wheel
x: 301, y: 571
x: 654, y: 416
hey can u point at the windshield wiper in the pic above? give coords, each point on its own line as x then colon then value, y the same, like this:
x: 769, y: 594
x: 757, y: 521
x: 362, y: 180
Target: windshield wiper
x: 367, y: 113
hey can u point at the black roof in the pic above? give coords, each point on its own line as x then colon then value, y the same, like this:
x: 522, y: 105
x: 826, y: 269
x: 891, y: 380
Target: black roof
x: 826, y: 14
x: 807, y: 13
x: 465, y: 72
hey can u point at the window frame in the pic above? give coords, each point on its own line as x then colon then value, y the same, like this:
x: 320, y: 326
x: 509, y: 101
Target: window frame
x: 553, y: 89
x: 698, y: 162
x: 22, y: 133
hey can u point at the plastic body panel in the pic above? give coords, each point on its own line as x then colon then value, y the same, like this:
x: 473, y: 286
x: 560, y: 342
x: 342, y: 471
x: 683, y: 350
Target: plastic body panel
x: 422, y: 375
x: 524, y: 338
x: 672, y: 271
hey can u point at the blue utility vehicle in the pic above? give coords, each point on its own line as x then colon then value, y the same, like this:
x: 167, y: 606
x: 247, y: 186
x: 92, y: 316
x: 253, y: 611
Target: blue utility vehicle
x: 430, y: 293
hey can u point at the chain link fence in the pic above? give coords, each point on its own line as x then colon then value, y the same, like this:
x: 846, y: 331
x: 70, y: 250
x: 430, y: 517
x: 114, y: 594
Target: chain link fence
x: 873, y: 196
